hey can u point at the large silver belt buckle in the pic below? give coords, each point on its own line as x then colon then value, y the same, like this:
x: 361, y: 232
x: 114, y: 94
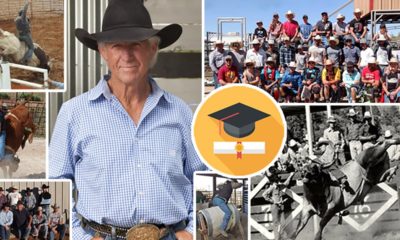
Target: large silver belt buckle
x: 143, y: 232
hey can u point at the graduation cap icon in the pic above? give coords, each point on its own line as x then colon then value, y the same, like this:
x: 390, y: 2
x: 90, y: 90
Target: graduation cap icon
x: 239, y: 119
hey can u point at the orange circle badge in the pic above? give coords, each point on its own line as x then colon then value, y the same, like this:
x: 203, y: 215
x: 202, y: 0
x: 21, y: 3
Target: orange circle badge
x: 238, y: 130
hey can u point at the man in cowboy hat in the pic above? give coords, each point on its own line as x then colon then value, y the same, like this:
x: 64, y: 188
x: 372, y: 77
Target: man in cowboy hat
x: 331, y: 78
x: 391, y: 81
x: 334, y: 52
x: 370, y: 76
x: 56, y: 223
x: 45, y: 199
x: 257, y: 54
x: 311, y: 82
x: 394, y: 150
x: 272, y: 51
x: 382, y: 53
x: 335, y: 135
x: 291, y: 84
x: 13, y: 197
x: 126, y: 144
x: 365, y: 54
x: 216, y: 60
x: 340, y: 29
x: 270, y: 77
x: 352, y: 134
x: 318, y: 52
x: 30, y: 201
x: 221, y: 198
x: 352, y: 82
x: 369, y: 133
x: 238, y: 56
x: 228, y: 73
x: 251, y: 75
x: 287, y: 53
x: 259, y: 32
x: 22, y: 222
x: 324, y: 28
x: 350, y: 52
x: 291, y: 27
x: 358, y: 27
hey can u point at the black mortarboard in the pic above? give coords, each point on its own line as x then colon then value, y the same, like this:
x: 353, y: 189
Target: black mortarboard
x: 239, y: 119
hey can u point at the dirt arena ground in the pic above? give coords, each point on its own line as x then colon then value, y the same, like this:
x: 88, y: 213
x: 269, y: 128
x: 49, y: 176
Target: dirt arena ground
x: 49, y: 34
x: 33, y: 160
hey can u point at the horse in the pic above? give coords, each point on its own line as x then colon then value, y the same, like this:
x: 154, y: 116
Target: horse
x: 13, y: 50
x: 19, y: 129
x: 325, y: 199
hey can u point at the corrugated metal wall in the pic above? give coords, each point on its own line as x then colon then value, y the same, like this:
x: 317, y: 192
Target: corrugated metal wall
x: 367, y: 5
x: 60, y: 191
x: 85, y: 67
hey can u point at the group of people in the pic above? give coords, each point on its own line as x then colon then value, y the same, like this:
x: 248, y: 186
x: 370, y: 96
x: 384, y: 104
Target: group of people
x: 327, y: 62
x: 26, y: 215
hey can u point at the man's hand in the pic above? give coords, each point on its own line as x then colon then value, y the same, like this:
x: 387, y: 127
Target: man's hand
x: 183, y: 235
x: 97, y: 238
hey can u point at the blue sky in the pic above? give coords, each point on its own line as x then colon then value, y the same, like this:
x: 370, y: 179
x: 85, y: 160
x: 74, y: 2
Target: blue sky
x: 263, y: 10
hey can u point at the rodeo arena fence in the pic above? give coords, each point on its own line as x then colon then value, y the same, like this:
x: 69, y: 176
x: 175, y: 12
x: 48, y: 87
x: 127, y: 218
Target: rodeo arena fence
x: 377, y: 216
x: 38, y: 8
x: 38, y: 111
x: 9, y: 8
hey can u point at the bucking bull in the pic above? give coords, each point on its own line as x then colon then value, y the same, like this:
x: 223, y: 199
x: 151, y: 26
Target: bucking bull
x: 13, y: 50
x: 325, y: 199
x: 19, y: 129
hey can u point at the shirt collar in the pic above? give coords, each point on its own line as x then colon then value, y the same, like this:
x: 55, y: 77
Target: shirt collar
x: 102, y: 88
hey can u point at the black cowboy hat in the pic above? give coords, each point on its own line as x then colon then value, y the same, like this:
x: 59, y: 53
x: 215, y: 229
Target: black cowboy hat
x: 45, y: 186
x: 128, y: 21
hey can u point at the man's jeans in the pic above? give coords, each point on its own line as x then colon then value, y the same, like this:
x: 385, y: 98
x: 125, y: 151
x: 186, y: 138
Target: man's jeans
x: 29, y: 43
x: 355, y: 148
x: 60, y: 229
x: 4, y: 233
x: 217, y: 201
x: 216, y: 81
x: 21, y: 233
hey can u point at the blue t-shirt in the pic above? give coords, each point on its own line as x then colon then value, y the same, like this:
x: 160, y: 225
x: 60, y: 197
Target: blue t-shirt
x: 296, y: 79
x: 306, y: 29
x: 312, y: 74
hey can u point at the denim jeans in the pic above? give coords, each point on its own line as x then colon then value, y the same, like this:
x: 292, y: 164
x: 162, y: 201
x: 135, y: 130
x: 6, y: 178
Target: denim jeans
x: 2, y: 144
x: 21, y: 233
x: 4, y: 233
x: 216, y: 82
x: 60, y: 229
x: 217, y: 201
x: 27, y: 38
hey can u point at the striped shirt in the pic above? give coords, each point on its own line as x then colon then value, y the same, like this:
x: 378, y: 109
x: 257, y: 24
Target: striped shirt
x: 126, y: 173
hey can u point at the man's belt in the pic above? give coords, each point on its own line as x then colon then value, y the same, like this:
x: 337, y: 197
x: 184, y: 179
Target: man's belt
x: 137, y: 232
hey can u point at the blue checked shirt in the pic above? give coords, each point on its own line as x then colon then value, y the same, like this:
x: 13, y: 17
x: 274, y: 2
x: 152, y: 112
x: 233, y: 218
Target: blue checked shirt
x: 126, y: 174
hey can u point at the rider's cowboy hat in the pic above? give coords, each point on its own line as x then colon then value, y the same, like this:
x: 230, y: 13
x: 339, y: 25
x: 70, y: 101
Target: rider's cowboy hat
x: 318, y: 37
x: 14, y: 188
x: 351, y: 113
x: 55, y: 206
x: 128, y: 21
x: 45, y: 186
x: 248, y: 61
x: 331, y: 119
x: 367, y: 114
x: 372, y: 60
x: 357, y: 10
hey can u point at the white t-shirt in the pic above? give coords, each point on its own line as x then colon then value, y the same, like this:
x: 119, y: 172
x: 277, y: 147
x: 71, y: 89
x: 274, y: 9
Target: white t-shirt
x: 55, y: 218
x: 258, y: 57
x: 382, y: 56
x: 318, y: 53
x: 365, y: 55
x: 13, y: 197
